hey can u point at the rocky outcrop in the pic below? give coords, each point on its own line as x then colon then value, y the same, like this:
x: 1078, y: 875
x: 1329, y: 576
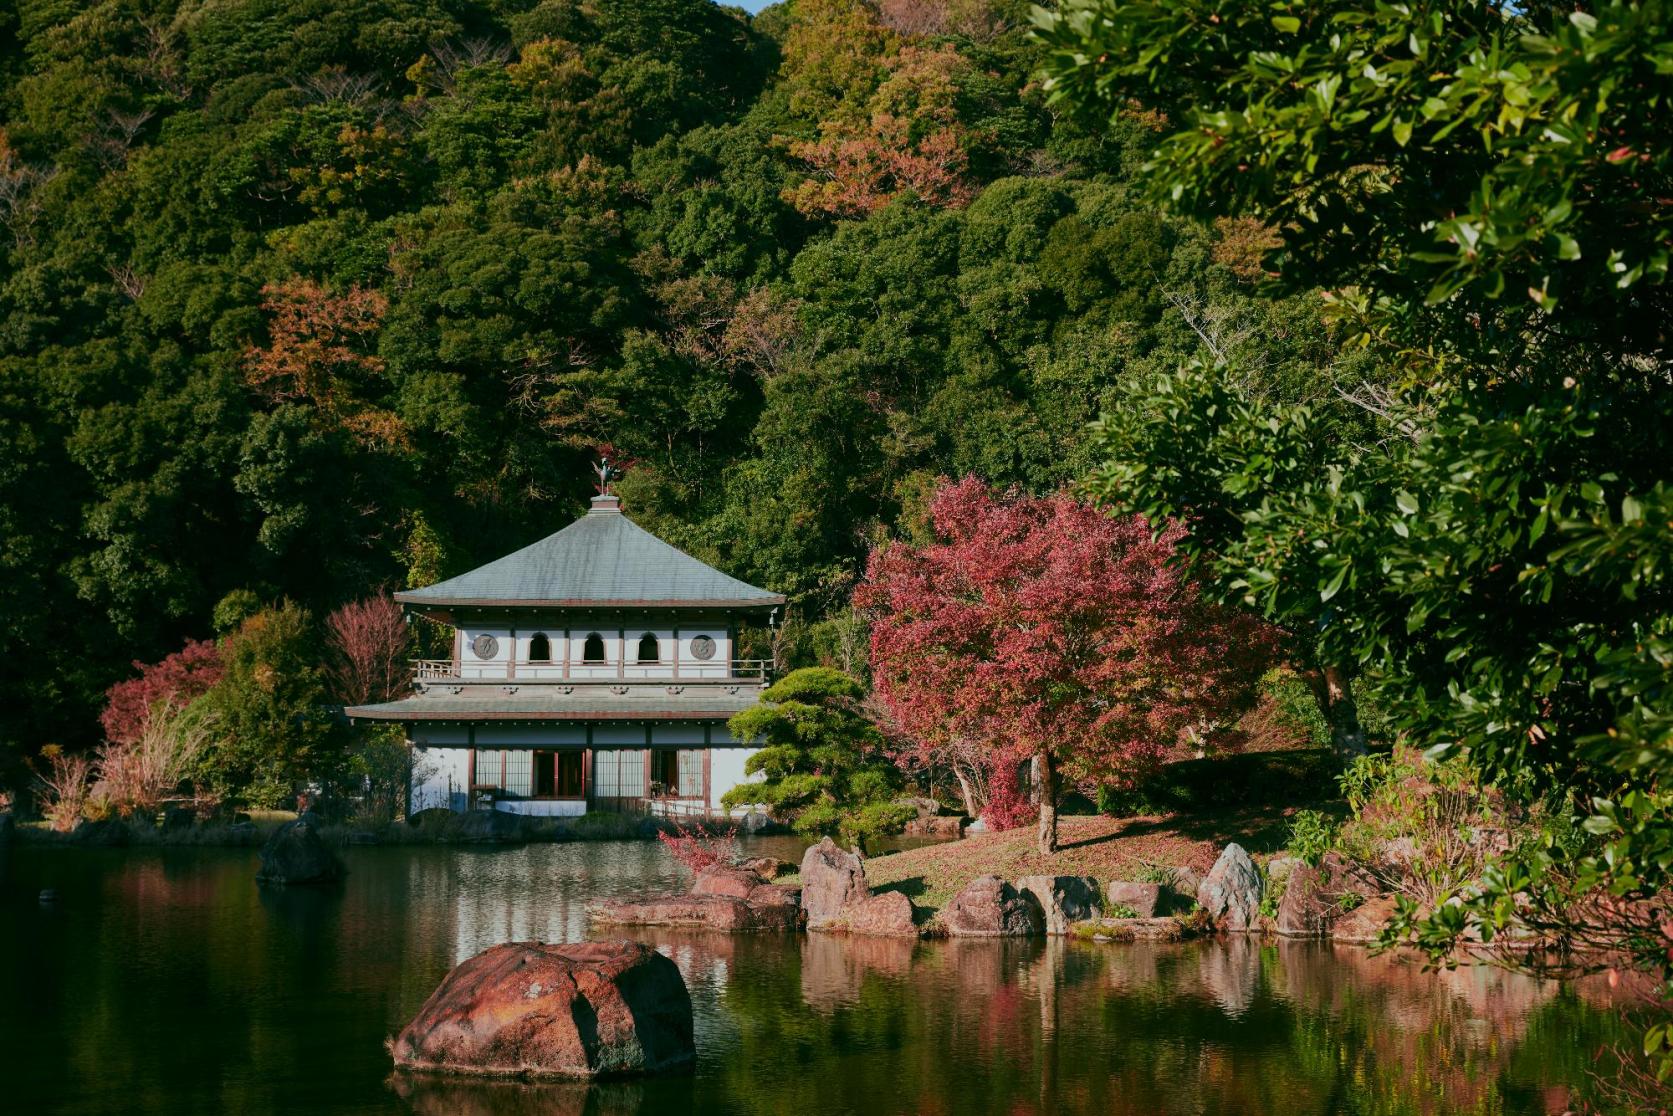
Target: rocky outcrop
x: 1362, y: 924
x: 831, y: 881
x: 1231, y: 892
x: 1180, y: 892
x: 768, y: 868
x: 1133, y: 930
x: 1315, y: 897
x: 988, y: 907
x: 1145, y: 899
x: 1063, y: 900
x: 296, y: 854
x: 888, y: 914
x: 942, y: 825
x: 721, y: 879
x: 526, y: 1009
x: 768, y: 909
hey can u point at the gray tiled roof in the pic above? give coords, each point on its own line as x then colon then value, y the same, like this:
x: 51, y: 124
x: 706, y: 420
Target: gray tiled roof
x: 546, y: 704
x: 603, y: 558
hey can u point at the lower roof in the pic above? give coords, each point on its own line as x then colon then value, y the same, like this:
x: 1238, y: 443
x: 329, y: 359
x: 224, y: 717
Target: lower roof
x: 543, y: 705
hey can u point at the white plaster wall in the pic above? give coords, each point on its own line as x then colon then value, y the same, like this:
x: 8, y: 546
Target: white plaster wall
x: 726, y: 770
x: 472, y: 667
x: 440, y: 777
x: 543, y: 808
x: 530, y: 736
x: 686, y: 736
x: 718, y: 666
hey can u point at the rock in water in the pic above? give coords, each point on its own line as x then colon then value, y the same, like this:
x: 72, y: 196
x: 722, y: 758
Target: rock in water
x: 988, y: 907
x: 1063, y: 899
x: 888, y: 914
x: 593, y: 1009
x: 719, y: 879
x: 831, y: 880
x: 296, y: 854
x: 768, y: 909
x: 1231, y: 892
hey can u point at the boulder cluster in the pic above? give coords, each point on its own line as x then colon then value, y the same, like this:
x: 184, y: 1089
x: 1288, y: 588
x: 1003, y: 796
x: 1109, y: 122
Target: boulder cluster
x: 835, y: 897
x: 737, y: 898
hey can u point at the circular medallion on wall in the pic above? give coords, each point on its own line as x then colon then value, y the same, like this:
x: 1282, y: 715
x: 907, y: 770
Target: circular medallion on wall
x: 485, y: 647
x: 702, y: 648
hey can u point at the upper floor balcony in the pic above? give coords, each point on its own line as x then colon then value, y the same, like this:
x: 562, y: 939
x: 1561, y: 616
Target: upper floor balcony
x: 592, y: 670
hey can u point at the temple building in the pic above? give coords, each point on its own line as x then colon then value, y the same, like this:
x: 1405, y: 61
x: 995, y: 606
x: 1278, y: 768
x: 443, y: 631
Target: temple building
x: 594, y: 669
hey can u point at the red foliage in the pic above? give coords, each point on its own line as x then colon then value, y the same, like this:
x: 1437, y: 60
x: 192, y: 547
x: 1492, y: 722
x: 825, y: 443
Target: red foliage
x: 179, y: 678
x: 367, y: 643
x: 1043, y: 627
x: 1007, y: 807
x: 698, y: 847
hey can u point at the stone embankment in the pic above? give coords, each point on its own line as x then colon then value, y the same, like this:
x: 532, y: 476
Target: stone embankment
x: 1333, y: 899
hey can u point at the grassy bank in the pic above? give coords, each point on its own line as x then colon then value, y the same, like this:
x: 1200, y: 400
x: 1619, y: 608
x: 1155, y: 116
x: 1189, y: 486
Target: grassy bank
x: 1103, y: 847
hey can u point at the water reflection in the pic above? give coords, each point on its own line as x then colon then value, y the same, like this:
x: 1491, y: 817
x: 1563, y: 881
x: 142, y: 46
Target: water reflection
x: 167, y: 981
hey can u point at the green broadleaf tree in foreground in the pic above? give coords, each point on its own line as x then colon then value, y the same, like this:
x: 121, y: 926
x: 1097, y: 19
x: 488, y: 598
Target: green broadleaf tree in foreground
x: 1480, y: 192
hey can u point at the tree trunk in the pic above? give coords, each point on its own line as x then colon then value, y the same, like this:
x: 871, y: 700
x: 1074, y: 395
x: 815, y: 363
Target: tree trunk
x: 1339, y: 709
x: 1046, y: 836
x: 967, y: 791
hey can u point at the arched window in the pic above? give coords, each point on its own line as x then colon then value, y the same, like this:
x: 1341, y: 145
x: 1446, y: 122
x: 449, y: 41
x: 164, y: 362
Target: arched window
x: 540, y: 648
x: 649, y: 652
x: 593, y: 650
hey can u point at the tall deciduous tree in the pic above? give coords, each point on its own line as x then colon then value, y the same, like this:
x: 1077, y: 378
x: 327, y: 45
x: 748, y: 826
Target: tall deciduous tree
x: 367, y: 643
x: 1055, y: 633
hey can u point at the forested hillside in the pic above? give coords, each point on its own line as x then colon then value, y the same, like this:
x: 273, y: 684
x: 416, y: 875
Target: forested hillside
x: 300, y: 299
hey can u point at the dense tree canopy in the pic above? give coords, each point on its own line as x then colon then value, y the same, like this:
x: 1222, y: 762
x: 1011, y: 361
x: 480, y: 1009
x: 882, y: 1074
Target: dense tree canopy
x: 1481, y: 191
x: 304, y: 300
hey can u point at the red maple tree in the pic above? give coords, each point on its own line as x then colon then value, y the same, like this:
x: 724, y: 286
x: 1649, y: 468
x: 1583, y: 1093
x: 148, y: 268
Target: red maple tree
x: 176, y: 679
x: 1046, y: 630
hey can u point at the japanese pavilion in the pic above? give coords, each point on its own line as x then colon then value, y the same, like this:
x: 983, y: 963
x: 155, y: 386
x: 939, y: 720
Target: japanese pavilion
x: 593, y: 669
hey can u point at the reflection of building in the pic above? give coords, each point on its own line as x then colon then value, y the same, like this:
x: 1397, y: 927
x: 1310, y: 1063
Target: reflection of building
x: 594, y: 669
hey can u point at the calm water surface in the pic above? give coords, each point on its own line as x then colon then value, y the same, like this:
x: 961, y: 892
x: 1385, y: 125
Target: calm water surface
x: 166, y: 981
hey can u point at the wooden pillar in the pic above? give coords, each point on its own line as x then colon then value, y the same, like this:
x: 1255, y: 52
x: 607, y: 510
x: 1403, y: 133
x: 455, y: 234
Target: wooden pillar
x: 566, y: 664
x: 621, y: 653
x: 676, y: 652
x: 511, y: 656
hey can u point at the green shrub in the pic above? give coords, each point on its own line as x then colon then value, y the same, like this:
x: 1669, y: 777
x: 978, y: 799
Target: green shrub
x: 1120, y: 910
x: 1312, y: 834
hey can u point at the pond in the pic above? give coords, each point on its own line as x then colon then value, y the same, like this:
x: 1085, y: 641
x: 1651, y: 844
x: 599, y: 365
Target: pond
x: 166, y: 981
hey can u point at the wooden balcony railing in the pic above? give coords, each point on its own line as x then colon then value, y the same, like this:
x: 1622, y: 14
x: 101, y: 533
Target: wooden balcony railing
x: 444, y: 670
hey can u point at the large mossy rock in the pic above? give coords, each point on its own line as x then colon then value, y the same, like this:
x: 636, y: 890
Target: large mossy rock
x: 1063, y: 900
x: 989, y: 907
x: 831, y: 881
x: 1231, y: 892
x: 296, y: 854
x: 526, y: 1009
